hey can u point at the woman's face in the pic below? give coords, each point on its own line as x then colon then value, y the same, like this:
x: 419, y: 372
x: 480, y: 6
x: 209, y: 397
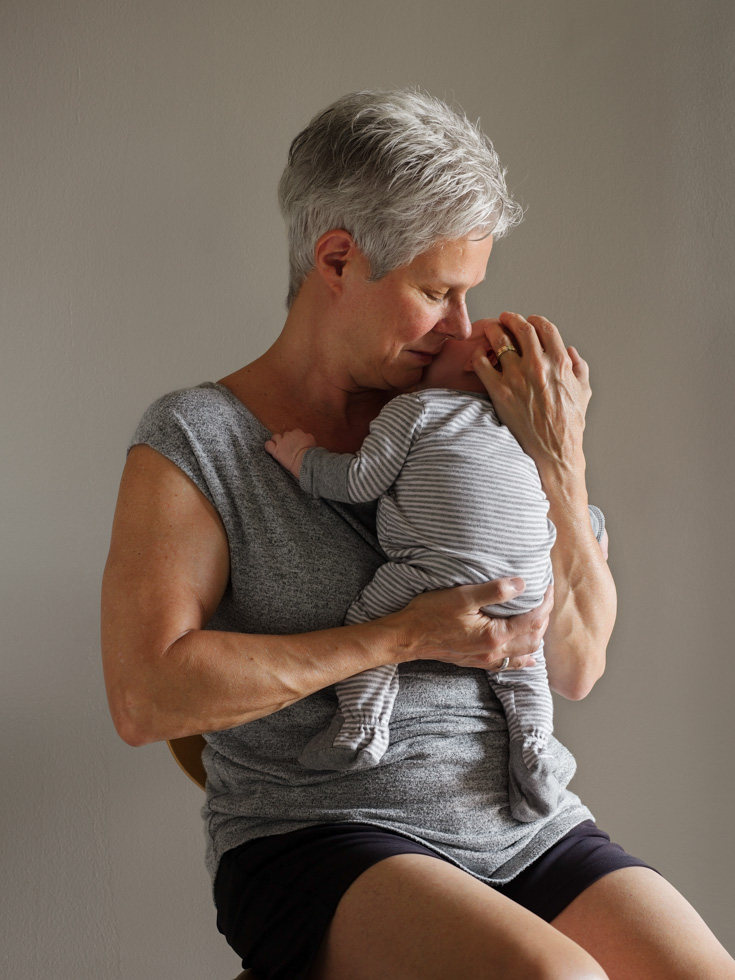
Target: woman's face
x: 397, y: 325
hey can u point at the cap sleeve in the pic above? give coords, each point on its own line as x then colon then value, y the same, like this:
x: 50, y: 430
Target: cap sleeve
x: 177, y: 426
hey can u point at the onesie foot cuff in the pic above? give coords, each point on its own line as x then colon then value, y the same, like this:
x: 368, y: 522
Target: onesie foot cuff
x: 534, y: 789
x: 346, y: 745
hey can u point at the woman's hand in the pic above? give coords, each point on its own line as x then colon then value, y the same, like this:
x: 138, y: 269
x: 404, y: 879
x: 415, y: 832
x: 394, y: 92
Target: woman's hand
x: 540, y: 390
x: 448, y: 625
x: 289, y: 448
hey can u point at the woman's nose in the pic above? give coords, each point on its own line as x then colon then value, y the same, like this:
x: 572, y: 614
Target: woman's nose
x: 456, y: 323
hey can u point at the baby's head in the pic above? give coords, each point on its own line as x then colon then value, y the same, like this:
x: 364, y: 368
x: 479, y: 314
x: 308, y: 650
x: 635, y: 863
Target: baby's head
x: 451, y: 367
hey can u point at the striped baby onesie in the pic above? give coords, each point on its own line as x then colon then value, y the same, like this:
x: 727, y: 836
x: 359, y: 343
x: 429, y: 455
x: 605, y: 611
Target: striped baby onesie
x: 459, y: 502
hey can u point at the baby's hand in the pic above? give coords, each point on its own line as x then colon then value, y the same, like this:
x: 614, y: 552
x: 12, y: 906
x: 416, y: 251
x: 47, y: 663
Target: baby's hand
x: 289, y: 448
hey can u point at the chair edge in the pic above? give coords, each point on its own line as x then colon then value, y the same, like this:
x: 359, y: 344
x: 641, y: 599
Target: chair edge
x: 188, y: 754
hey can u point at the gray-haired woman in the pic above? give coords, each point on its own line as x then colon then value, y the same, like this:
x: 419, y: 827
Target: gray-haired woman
x: 226, y: 587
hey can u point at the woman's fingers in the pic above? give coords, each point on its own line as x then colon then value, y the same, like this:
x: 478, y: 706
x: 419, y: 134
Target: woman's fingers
x: 522, y: 333
x: 512, y: 330
x: 549, y: 337
x: 472, y: 638
x: 514, y: 663
x: 518, y: 640
x: 493, y: 593
x: 579, y: 366
x: 516, y: 636
x: 514, y: 339
x: 486, y: 367
x: 522, y: 635
x: 535, y: 335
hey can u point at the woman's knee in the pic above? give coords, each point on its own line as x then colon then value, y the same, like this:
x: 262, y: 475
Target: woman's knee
x: 567, y: 963
x: 546, y: 954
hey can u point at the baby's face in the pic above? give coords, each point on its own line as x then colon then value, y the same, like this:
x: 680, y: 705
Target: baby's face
x: 451, y: 366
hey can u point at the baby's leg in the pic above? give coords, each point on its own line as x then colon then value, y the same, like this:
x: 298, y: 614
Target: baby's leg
x: 357, y: 736
x: 533, y: 785
x: 359, y: 732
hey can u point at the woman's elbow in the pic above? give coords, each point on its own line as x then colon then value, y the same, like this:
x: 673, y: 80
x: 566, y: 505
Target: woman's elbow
x: 578, y: 691
x: 131, y: 713
x: 576, y: 686
x: 131, y: 734
x: 131, y: 725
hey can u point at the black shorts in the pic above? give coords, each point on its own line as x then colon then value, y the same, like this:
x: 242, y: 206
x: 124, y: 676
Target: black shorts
x: 276, y: 896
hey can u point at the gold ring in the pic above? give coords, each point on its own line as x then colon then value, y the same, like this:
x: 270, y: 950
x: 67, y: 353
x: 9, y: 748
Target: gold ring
x: 504, y: 350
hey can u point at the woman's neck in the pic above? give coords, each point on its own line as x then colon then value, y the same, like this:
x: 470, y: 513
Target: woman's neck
x: 289, y: 387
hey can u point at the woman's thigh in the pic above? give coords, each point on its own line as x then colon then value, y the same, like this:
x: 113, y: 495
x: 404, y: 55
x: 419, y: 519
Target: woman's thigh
x: 411, y: 917
x: 638, y: 927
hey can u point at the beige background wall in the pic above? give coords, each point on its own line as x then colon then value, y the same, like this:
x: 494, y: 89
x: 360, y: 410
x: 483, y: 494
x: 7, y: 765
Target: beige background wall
x: 142, y: 251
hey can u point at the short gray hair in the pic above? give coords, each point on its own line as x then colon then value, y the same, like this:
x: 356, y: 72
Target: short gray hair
x: 400, y: 171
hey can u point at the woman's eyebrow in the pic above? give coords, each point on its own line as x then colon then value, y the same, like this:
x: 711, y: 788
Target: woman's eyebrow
x: 439, y: 283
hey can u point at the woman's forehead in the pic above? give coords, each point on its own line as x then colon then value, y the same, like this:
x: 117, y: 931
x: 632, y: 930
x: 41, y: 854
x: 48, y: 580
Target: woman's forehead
x: 460, y: 262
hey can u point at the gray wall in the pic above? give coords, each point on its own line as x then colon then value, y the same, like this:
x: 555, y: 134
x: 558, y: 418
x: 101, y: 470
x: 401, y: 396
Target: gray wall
x: 142, y: 250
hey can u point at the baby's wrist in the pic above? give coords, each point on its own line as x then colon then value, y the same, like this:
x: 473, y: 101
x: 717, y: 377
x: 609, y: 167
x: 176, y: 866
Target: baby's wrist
x: 299, y: 461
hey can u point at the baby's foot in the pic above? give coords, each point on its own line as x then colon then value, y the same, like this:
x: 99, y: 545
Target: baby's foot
x: 533, y: 786
x: 347, y: 744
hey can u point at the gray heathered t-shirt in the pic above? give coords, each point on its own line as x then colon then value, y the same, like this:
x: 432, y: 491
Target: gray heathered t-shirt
x: 296, y: 565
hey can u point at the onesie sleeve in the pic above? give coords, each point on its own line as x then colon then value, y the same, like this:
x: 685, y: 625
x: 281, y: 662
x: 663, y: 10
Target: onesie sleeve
x: 598, y: 521
x: 371, y: 471
x: 324, y: 474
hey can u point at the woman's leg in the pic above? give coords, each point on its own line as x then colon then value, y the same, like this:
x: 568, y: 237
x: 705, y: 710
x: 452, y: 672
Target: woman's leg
x: 411, y: 917
x: 638, y: 927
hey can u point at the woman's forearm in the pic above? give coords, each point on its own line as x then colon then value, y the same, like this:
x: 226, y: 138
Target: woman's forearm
x: 209, y: 681
x: 584, y: 593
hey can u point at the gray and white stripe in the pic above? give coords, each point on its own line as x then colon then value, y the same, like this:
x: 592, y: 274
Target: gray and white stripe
x: 459, y: 503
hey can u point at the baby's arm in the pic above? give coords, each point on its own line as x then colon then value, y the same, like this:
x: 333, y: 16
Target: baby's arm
x: 347, y: 477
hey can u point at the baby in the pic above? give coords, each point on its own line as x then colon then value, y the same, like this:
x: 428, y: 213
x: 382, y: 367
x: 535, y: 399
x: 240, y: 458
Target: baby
x: 459, y: 502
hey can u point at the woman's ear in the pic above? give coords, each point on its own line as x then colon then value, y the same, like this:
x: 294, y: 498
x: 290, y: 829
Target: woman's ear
x: 332, y: 253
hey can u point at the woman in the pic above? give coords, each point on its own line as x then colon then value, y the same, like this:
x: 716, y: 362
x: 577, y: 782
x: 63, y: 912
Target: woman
x: 237, y: 584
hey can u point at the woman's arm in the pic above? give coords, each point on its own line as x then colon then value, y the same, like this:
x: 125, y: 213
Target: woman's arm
x: 541, y: 393
x: 585, y: 599
x: 166, y: 573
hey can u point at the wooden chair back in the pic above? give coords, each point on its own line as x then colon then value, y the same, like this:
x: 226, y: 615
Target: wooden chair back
x: 188, y: 753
